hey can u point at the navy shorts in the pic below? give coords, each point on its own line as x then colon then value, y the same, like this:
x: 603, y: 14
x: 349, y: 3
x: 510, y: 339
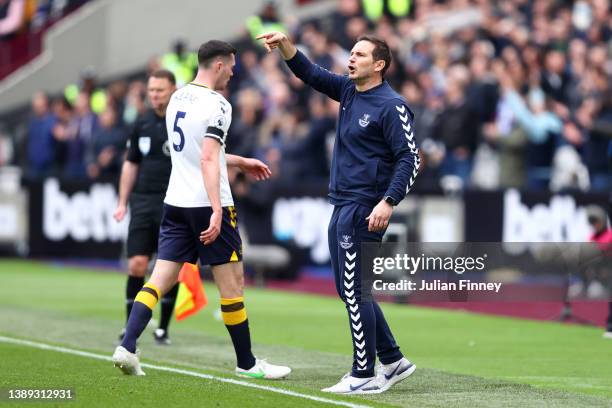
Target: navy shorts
x: 179, y: 236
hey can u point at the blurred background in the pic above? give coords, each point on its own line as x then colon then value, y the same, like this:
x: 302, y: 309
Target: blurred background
x: 512, y: 102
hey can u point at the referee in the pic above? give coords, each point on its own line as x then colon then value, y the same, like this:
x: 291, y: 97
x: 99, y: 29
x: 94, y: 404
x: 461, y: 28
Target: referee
x: 144, y: 180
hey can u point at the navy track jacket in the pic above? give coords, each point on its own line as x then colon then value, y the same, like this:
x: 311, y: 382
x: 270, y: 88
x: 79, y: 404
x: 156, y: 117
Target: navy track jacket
x: 375, y: 154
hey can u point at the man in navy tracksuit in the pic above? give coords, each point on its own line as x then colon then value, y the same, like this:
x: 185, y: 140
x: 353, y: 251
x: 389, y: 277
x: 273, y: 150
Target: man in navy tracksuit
x: 374, y: 164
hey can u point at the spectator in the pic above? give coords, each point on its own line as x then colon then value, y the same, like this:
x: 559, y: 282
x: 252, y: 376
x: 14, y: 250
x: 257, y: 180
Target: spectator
x: 88, y: 85
x: 523, y: 81
x: 511, y: 146
x: 555, y: 79
x: 244, y: 127
x: 181, y: 62
x: 319, y: 46
x: 267, y: 20
x: 48, y: 11
x: 63, y: 112
x: 345, y: 10
x: 377, y: 9
x: 78, y: 138
x: 308, y: 155
x: 482, y: 92
x: 11, y: 17
x: 41, y: 143
x: 457, y: 127
x: 597, y: 120
x: 540, y: 125
x: 104, y: 152
x: 246, y: 67
x: 116, y: 94
x: 135, y: 102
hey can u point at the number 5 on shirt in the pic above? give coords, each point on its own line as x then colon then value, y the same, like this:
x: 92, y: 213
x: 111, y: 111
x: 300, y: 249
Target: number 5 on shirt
x: 178, y: 147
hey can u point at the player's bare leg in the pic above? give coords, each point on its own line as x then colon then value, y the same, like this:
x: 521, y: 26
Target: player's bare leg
x: 229, y: 278
x: 165, y: 274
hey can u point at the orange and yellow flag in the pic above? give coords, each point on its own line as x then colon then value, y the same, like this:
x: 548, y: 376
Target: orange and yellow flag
x: 191, y: 296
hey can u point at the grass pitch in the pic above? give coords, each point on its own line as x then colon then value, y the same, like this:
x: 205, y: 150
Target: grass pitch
x: 463, y: 360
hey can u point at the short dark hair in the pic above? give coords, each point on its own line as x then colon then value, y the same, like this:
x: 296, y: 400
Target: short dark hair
x: 213, y: 49
x: 381, y: 50
x: 164, y: 74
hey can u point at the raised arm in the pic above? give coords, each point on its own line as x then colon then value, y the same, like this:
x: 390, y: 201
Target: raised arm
x: 319, y: 78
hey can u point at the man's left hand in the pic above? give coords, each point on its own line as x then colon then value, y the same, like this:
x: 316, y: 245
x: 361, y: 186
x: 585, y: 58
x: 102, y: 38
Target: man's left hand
x: 379, y: 217
x: 256, y: 169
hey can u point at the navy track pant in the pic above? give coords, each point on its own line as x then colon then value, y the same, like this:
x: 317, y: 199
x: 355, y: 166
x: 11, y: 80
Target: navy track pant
x: 371, y: 335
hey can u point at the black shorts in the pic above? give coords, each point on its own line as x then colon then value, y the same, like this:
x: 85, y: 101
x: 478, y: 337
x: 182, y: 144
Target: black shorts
x: 179, y: 236
x: 145, y: 218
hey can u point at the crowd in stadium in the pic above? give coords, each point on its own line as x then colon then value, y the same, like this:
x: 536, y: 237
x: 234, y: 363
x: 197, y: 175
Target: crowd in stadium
x: 513, y: 93
x: 23, y: 24
x: 31, y: 15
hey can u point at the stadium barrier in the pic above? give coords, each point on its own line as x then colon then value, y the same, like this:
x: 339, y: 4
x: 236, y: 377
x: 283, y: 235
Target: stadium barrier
x: 74, y: 219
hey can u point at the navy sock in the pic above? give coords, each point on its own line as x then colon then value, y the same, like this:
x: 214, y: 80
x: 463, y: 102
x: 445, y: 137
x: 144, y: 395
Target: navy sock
x: 235, y: 319
x: 139, y: 317
x: 241, y: 339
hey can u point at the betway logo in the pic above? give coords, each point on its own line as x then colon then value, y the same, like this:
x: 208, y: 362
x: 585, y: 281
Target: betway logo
x: 84, y: 216
x: 559, y: 221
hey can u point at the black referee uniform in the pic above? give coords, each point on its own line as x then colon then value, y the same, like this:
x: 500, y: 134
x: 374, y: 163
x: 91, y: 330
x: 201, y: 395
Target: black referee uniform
x: 148, y: 147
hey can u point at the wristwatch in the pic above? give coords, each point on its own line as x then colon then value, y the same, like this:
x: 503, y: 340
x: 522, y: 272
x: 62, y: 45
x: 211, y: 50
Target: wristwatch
x: 391, y: 201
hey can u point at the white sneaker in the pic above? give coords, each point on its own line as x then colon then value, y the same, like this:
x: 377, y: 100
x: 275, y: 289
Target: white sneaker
x: 353, y: 385
x: 127, y: 362
x: 608, y: 334
x: 263, y: 369
x: 389, y: 374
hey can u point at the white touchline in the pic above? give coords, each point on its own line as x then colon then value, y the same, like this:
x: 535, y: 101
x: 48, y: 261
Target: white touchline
x: 44, y: 346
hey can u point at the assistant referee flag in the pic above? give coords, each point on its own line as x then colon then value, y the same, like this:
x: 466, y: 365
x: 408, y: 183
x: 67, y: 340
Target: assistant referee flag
x: 191, y: 296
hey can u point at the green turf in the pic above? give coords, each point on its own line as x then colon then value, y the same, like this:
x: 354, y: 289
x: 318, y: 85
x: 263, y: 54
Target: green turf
x: 92, y: 386
x: 463, y: 359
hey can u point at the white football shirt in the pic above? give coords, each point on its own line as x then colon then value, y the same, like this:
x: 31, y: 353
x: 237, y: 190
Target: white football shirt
x: 195, y: 112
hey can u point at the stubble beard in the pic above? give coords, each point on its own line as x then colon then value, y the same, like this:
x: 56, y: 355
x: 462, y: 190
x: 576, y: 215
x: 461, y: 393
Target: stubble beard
x: 358, y: 80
